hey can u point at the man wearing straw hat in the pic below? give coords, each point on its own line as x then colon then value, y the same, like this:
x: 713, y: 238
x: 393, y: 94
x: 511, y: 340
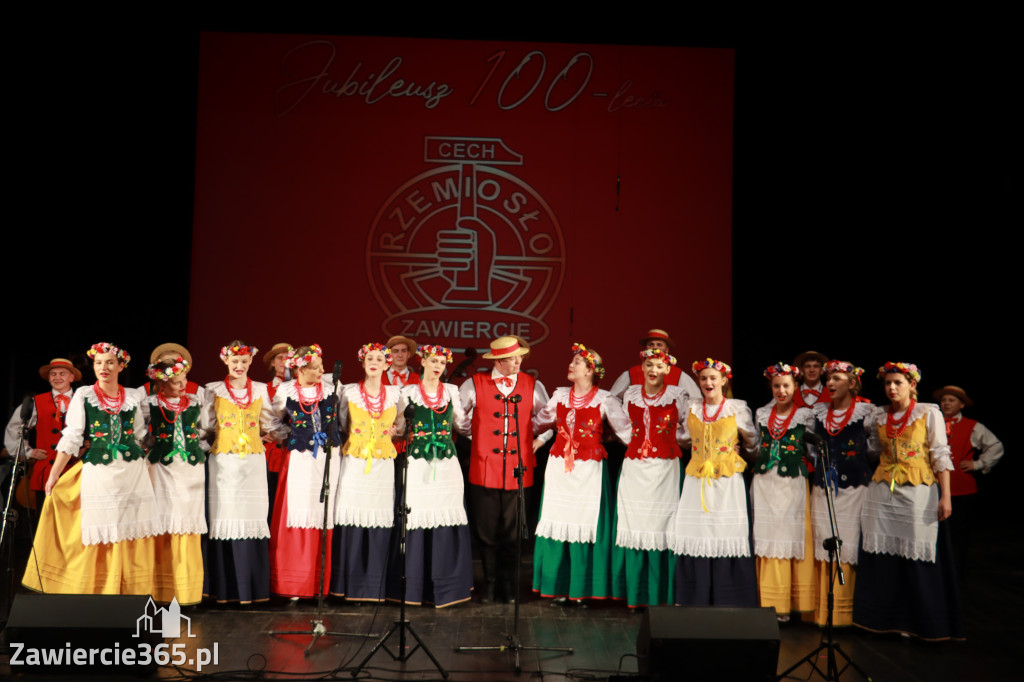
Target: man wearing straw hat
x: 974, y: 450
x: 656, y: 338
x: 487, y: 400
x: 48, y: 410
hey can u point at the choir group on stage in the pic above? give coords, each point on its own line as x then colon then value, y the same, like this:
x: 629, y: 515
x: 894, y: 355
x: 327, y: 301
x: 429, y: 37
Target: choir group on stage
x: 182, y: 491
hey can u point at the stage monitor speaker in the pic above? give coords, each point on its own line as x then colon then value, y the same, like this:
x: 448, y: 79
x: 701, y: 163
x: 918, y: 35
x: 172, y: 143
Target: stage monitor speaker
x: 83, y: 633
x: 708, y: 643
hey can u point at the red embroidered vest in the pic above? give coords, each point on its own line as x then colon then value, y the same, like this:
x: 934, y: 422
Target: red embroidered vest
x: 492, y: 462
x: 585, y: 434
x: 660, y: 439
x: 961, y: 482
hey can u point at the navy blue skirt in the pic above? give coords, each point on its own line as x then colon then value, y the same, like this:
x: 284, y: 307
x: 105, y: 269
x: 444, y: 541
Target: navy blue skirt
x: 722, y: 581
x: 359, y: 562
x: 439, y: 567
x: 895, y: 594
x: 236, y: 570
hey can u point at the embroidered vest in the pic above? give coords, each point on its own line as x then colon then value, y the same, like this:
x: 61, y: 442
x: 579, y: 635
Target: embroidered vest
x: 786, y: 455
x: 579, y: 433
x: 905, y: 459
x: 431, y: 433
x: 714, y: 447
x: 849, y: 450
x: 305, y: 427
x: 655, y: 436
x: 175, y: 440
x: 493, y: 461
x: 111, y: 436
x: 369, y: 438
x: 961, y: 482
x: 238, y: 430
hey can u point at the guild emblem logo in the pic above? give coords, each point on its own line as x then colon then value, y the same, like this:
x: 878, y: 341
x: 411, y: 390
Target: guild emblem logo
x: 466, y: 251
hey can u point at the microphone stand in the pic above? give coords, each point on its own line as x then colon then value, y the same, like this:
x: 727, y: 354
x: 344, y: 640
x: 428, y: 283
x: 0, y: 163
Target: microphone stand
x: 10, y: 517
x: 512, y: 641
x: 403, y: 623
x: 832, y: 544
x: 319, y: 629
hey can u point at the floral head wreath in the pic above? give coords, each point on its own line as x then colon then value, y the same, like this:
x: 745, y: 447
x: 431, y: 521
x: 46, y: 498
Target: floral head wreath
x: 591, y: 359
x: 657, y: 354
x: 907, y: 368
x: 104, y: 347
x: 711, y: 363
x: 781, y: 369
x: 294, y: 361
x: 228, y: 351
x: 370, y: 347
x: 844, y: 367
x: 431, y: 351
x: 163, y: 371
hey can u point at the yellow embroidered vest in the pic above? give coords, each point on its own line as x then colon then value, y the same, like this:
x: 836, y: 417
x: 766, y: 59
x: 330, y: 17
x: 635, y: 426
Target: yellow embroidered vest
x: 238, y: 430
x: 714, y: 448
x: 906, y: 459
x: 368, y: 438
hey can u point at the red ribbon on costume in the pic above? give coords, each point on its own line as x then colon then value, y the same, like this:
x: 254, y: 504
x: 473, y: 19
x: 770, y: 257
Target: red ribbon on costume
x: 572, y: 445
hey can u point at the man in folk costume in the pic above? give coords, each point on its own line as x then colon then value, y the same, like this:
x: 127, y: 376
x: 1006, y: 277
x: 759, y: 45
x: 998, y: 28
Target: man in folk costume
x: 399, y: 373
x: 48, y: 411
x: 170, y: 352
x: 656, y: 338
x: 492, y: 482
x: 813, y: 389
x: 975, y: 450
x: 275, y: 360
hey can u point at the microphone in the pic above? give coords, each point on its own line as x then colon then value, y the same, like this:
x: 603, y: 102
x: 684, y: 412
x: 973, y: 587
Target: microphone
x: 337, y: 371
x: 26, y: 409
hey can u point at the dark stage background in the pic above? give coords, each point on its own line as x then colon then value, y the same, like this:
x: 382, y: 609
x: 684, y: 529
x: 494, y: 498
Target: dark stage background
x: 871, y: 198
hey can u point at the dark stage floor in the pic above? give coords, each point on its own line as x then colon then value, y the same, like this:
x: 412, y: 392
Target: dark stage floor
x: 603, y: 637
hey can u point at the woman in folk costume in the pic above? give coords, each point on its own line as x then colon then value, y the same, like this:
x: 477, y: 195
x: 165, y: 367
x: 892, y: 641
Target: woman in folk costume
x: 439, y: 562
x: 780, y: 501
x: 365, y: 507
x: 848, y: 428
x: 715, y: 566
x: 572, y: 551
x: 169, y: 352
x: 237, y: 554
x: 177, y: 431
x: 304, y: 421
x: 95, y: 530
x: 648, y: 490
x: 907, y: 580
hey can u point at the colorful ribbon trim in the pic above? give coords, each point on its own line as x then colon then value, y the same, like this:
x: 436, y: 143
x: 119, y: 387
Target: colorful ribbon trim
x: 319, y: 440
x: 572, y: 446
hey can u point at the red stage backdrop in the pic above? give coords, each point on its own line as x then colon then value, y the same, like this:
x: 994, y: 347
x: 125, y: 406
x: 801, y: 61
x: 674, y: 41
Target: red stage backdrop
x: 348, y: 189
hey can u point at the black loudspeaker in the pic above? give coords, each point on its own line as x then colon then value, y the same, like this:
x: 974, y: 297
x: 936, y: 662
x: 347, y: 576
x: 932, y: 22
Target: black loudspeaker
x: 708, y: 643
x: 83, y: 633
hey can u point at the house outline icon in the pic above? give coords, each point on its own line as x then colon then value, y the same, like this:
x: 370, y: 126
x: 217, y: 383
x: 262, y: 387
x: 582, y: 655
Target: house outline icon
x: 170, y: 627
